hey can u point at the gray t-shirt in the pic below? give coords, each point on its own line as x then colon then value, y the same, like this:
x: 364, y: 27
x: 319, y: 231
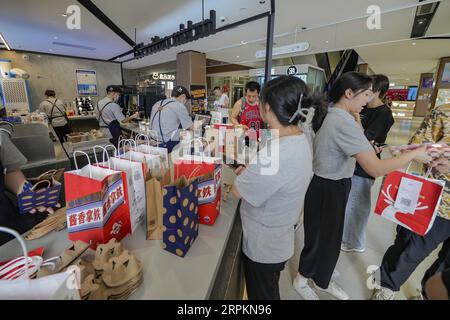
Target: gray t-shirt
x: 272, y: 202
x: 10, y: 157
x: 57, y: 112
x: 339, y: 139
x: 110, y: 113
x: 172, y: 115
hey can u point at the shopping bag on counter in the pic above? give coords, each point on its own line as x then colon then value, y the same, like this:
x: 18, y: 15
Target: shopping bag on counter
x: 59, y: 286
x: 134, y: 176
x: 180, y: 219
x: 43, y: 191
x: 147, y: 148
x: 410, y: 201
x: 209, y: 173
x: 97, y: 204
x: 151, y: 161
x: 222, y: 127
x: 154, y: 189
x: 235, y: 145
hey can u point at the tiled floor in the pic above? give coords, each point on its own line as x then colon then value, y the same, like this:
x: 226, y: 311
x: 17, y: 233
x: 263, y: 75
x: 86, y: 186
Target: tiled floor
x: 380, y: 235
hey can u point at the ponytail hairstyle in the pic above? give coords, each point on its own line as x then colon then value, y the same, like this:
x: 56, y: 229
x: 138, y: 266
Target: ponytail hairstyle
x: 290, y: 100
x: 356, y: 81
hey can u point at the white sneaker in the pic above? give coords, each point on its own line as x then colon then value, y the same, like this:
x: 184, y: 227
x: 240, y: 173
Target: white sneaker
x: 335, y: 290
x: 304, y: 289
x: 349, y: 249
x: 383, y: 294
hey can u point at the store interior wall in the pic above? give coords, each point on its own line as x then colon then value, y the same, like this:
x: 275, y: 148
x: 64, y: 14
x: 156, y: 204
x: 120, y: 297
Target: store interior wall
x: 58, y: 73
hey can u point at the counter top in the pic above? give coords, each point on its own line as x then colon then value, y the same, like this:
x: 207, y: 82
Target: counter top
x: 60, y: 155
x: 166, y: 276
x: 82, y: 117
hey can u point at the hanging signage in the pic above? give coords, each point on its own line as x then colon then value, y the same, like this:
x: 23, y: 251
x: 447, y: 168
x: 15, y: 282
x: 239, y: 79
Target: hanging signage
x: 86, y: 82
x: 163, y: 76
x: 189, y: 33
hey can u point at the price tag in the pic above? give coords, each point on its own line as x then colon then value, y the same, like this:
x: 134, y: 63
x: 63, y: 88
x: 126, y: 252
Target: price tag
x: 408, y: 195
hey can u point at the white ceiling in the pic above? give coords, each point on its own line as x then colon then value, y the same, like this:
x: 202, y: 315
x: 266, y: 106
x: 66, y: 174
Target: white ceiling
x: 33, y: 25
x: 402, y: 62
x: 331, y: 25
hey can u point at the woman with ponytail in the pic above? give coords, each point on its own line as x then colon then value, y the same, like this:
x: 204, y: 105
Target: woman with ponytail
x: 273, y: 189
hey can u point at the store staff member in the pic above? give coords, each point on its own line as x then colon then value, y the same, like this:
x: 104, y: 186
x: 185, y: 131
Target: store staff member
x: 110, y: 116
x: 56, y: 113
x: 13, y: 181
x: 170, y: 115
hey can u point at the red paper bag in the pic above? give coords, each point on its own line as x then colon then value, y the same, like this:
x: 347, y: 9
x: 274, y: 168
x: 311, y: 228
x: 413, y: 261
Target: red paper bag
x: 209, y: 172
x: 422, y: 219
x: 97, y: 204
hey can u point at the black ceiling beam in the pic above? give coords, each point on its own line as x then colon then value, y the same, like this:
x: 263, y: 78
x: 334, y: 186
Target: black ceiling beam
x: 92, y: 8
x: 224, y: 28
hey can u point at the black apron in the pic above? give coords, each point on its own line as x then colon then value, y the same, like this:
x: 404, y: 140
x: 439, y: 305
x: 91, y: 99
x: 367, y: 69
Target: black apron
x: 113, y: 126
x: 169, y: 145
x: 10, y: 216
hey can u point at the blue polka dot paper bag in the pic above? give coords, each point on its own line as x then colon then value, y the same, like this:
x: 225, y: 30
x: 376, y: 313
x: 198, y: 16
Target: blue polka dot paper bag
x: 180, y: 216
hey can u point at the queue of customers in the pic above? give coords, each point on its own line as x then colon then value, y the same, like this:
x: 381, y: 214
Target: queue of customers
x: 332, y: 184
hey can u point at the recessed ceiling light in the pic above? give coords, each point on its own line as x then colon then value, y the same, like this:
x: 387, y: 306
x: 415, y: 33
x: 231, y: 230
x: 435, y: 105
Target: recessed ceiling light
x: 414, y: 43
x: 55, y: 38
x: 238, y: 57
x: 243, y: 43
x: 64, y: 14
x: 327, y: 41
x: 50, y: 50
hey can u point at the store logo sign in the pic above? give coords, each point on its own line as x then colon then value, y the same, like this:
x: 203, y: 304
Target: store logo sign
x: 73, y: 21
x: 292, y: 71
x: 162, y: 76
x: 374, y: 20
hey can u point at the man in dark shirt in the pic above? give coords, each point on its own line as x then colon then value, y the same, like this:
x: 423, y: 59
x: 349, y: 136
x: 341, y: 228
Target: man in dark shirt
x: 376, y: 120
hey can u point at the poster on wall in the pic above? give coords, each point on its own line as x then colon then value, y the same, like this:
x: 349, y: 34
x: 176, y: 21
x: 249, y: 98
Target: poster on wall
x: 427, y: 82
x: 446, y: 73
x: 198, y: 97
x: 86, y: 82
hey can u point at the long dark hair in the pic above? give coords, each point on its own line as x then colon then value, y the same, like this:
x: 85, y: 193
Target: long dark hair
x: 283, y: 95
x: 356, y: 81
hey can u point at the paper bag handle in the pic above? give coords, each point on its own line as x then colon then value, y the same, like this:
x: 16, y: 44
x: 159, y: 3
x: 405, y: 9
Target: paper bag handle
x: 148, y: 137
x: 76, y: 162
x: 47, y: 182
x: 427, y: 175
x: 104, y: 152
x: 22, y: 244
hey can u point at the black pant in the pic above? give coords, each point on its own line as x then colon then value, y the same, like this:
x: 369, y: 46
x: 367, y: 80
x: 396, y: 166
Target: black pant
x: 262, y: 279
x: 410, y: 249
x: 61, y: 132
x: 323, y: 220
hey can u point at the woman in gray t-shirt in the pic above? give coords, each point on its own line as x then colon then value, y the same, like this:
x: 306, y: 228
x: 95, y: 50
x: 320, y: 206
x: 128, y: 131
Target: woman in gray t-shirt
x: 339, y: 143
x: 273, y: 189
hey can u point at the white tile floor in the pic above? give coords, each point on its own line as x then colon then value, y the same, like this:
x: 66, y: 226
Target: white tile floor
x: 380, y: 235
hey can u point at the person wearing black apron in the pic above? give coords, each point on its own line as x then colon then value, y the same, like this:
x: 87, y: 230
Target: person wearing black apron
x: 12, y: 181
x: 56, y: 113
x: 110, y: 115
x: 169, y: 116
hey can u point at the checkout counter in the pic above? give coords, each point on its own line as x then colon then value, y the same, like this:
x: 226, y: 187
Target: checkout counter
x: 212, y: 269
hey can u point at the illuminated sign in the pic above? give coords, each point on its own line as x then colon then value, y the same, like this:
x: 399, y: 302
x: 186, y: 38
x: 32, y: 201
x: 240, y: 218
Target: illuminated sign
x: 163, y: 76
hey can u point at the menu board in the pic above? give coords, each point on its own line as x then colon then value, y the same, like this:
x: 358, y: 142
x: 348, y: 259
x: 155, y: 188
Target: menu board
x: 198, y: 97
x: 86, y: 82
